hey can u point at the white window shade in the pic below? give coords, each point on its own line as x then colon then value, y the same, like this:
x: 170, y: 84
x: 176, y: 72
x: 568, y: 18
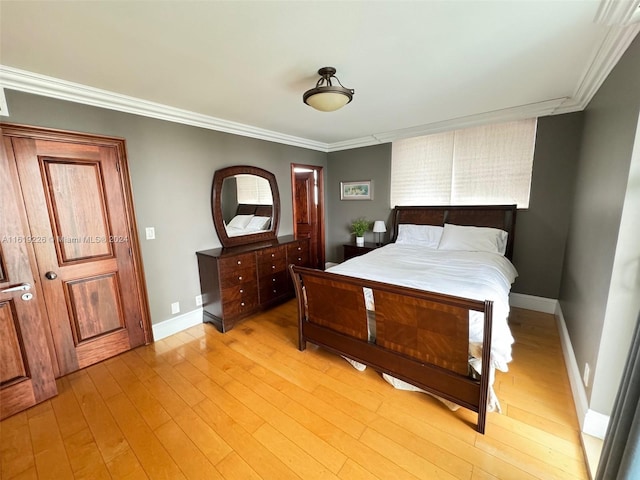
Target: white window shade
x: 253, y: 189
x: 490, y: 164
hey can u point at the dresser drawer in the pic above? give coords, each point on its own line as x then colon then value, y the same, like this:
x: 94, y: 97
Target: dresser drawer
x: 236, y: 303
x: 271, y: 260
x: 274, y: 286
x: 239, y: 262
x: 298, y: 253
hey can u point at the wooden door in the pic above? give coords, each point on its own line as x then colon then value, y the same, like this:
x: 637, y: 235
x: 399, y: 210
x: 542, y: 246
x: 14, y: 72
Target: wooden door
x: 26, y: 373
x: 76, y: 199
x: 307, y: 210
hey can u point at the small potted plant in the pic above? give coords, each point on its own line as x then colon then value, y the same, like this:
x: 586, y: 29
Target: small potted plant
x: 358, y: 227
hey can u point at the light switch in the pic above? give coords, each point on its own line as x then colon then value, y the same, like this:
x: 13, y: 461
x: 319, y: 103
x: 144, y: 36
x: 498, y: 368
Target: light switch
x: 150, y: 233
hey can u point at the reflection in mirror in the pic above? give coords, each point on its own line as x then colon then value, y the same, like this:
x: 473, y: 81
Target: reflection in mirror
x: 245, y: 204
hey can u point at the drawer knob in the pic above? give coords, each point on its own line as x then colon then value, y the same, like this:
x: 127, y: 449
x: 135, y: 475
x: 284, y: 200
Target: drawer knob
x: 273, y: 267
x: 299, y: 248
x: 273, y: 279
x: 239, y: 278
x: 239, y: 262
x: 299, y: 259
x: 241, y: 290
x: 242, y: 304
x: 274, y: 290
x: 273, y: 254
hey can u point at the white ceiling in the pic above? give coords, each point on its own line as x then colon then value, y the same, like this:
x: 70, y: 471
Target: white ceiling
x: 242, y: 67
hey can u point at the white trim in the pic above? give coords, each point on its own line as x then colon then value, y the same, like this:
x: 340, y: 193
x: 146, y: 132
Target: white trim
x: 37, y: 84
x: 4, y: 109
x: 176, y: 324
x: 575, y: 379
x: 591, y: 422
x: 520, y: 112
x: 595, y: 424
x: 615, y: 43
x: 530, y: 302
x: 617, y: 12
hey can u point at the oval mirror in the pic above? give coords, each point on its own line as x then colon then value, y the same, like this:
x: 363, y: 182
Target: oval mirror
x: 245, y: 204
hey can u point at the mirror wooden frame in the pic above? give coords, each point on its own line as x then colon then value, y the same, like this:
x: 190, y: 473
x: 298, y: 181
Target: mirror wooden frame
x: 216, y: 205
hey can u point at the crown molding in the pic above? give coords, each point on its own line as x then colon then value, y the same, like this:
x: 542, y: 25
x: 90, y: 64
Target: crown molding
x: 538, y: 109
x: 615, y: 43
x: 4, y: 109
x: 29, y: 82
x: 617, y: 12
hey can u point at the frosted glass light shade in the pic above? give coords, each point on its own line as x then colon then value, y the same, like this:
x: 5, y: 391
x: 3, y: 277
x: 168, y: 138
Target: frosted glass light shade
x: 379, y: 227
x: 328, y: 101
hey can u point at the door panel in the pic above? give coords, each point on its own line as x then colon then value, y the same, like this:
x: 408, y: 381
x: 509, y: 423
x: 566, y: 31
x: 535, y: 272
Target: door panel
x: 78, y: 228
x: 75, y: 202
x: 13, y: 358
x: 26, y: 373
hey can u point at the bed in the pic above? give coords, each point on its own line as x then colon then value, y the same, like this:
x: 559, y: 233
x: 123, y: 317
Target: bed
x: 249, y: 218
x: 429, y: 311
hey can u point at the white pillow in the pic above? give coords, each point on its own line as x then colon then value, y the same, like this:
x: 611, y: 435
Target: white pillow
x: 473, y: 239
x: 240, y: 221
x: 424, y: 235
x: 258, y: 223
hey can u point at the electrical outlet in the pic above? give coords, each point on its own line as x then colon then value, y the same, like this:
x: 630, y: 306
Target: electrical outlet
x: 585, y: 375
x: 150, y: 233
x: 198, y: 300
x: 175, y: 307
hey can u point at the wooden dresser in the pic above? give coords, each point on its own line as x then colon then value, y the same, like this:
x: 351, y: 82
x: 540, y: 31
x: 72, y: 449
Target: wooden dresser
x: 239, y: 281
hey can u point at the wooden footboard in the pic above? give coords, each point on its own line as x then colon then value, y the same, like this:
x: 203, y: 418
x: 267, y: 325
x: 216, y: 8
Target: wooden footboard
x: 421, y: 337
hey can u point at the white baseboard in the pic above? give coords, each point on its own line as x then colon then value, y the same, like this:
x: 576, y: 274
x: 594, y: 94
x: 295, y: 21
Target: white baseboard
x: 591, y: 422
x: 595, y: 424
x: 539, y: 304
x: 176, y: 324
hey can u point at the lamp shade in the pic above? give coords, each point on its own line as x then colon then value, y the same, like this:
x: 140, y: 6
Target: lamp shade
x: 379, y: 227
x: 327, y: 100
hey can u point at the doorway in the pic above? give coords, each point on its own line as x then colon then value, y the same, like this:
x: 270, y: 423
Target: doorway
x: 307, y: 186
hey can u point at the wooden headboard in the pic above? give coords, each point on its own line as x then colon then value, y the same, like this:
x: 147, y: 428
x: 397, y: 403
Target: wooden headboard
x: 495, y: 216
x: 257, y: 210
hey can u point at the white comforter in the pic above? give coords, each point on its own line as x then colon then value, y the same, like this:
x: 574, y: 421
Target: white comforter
x: 477, y: 275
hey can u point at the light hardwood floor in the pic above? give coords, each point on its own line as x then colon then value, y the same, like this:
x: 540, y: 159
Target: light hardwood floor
x: 248, y: 405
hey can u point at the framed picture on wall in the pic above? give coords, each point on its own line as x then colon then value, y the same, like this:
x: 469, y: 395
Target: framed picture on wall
x: 360, y: 190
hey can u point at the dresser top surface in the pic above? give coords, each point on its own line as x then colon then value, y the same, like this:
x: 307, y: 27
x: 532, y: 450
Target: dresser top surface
x: 251, y: 247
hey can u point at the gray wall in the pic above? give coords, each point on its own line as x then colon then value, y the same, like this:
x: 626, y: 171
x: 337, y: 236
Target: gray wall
x: 366, y: 163
x: 171, y: 167
x: 598, y: 336
x: 541, y: 230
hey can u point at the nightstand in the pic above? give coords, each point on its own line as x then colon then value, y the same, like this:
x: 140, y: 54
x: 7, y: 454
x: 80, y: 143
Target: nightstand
x: 351, y: 250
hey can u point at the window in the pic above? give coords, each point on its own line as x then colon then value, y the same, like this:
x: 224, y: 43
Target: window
x: 253, y: 189
x: 485, y: 165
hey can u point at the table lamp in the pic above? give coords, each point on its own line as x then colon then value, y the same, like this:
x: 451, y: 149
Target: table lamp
x: 379, y: 228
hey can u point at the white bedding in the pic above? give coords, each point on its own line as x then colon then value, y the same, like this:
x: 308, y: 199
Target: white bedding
x: 476, y: 275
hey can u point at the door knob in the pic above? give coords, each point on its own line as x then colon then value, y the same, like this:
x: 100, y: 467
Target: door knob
x: 51, y: 275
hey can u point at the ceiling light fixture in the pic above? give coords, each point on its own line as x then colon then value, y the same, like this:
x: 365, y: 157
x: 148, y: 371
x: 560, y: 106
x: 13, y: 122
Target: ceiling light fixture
x: 327, y: 97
